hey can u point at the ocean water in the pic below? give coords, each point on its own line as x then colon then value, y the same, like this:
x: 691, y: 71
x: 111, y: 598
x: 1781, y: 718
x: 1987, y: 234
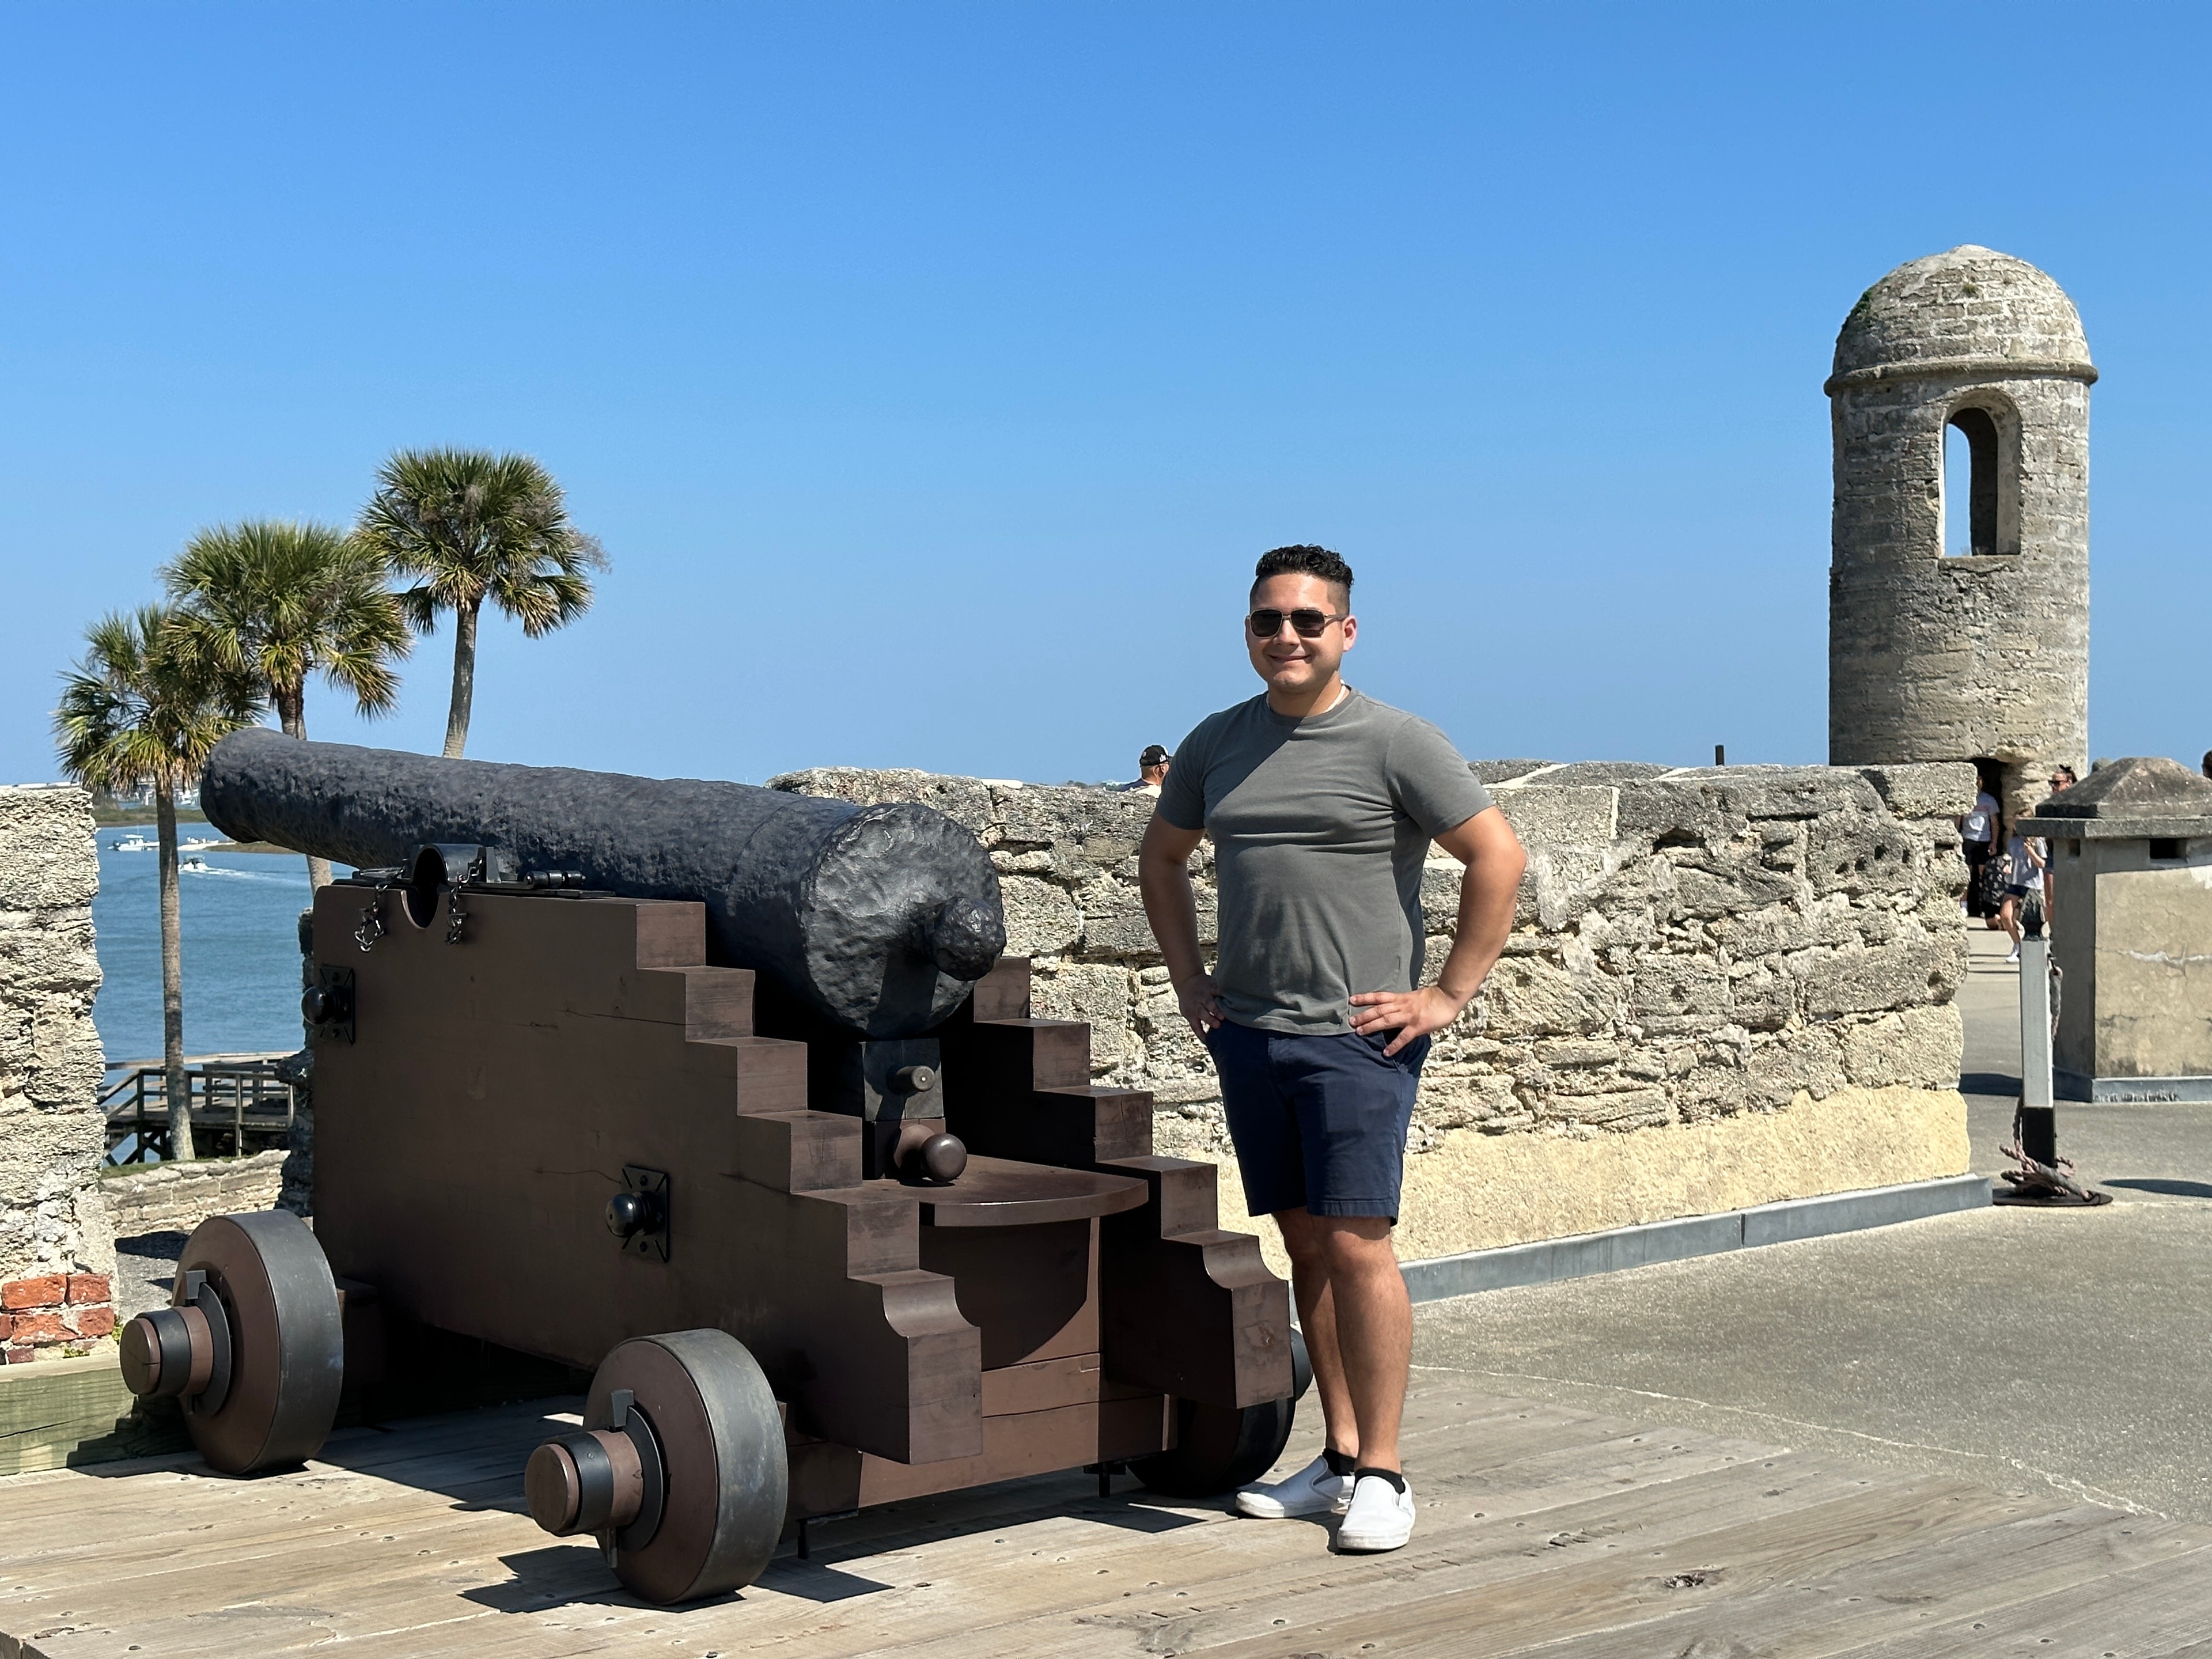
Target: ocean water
x: 242, y: 950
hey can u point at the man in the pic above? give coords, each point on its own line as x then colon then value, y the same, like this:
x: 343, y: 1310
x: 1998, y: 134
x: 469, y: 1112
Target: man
x: 1322, y: 804
x: 1151, y: 771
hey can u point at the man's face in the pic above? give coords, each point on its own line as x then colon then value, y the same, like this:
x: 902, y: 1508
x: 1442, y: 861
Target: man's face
x: 1287, y: 659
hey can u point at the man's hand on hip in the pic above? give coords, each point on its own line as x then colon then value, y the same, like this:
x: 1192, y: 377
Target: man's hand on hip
x: 1486, y: 845
x: 1412, y: 1014
x: 1200, y: 1007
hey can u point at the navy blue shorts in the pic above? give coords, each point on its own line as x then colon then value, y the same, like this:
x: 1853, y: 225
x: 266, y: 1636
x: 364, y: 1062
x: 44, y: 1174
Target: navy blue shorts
x: 1319, y: 1118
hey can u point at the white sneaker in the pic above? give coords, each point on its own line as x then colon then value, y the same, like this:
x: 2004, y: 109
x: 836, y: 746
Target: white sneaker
x: 2014, y: 956
x: 1312, y: 1490
x: 1381, y: 1516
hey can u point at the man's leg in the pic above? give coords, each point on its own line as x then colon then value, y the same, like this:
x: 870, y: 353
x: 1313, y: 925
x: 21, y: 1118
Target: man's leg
x: 1303, y: 1239
x: 1358, y: 1325
x: 1374, y: 1330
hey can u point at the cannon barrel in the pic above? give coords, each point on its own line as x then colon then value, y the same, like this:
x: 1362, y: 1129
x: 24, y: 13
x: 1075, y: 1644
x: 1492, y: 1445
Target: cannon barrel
x: 875, y: 918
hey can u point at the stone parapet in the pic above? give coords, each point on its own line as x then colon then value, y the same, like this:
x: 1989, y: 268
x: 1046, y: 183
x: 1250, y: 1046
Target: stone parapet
x: 175, y: 1198
x: 53, y: 1226
x: 1691, y: 946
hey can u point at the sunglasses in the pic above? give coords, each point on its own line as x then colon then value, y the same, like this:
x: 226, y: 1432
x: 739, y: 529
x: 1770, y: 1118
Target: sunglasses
x: 1310, y: 624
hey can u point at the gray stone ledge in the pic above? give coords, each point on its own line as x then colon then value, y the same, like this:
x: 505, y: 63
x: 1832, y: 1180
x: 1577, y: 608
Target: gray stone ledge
x: 1980, y: 368
x: 1584, y: 1254
x: 2086, y: 829
x: 2135, y: 1091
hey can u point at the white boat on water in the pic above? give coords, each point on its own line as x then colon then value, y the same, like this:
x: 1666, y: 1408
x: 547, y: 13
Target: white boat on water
x: 191, y: 863
x: 199, y: 844
x: 132, y: 843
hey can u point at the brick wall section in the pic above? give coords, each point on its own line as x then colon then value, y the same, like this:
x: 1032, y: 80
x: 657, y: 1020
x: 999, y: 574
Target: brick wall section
x: 54, y: 1229
x: 175, y: 1198
x: 1689, y: 944
x: 53, y: 1314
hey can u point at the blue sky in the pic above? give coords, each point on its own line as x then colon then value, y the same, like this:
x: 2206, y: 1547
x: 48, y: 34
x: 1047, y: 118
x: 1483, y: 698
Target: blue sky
x: 932, y: 373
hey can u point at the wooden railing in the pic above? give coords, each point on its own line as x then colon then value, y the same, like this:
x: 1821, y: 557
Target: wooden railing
x: 238, y: 1105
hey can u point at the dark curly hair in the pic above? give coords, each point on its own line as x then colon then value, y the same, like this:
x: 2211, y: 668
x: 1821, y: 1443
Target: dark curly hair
x: 1305, y: 560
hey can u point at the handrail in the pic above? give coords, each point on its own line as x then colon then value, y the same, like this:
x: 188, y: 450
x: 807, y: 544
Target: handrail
x: 236, y: 1087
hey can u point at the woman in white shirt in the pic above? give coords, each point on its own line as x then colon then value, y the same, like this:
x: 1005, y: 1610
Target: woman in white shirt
x: 1978, y: 840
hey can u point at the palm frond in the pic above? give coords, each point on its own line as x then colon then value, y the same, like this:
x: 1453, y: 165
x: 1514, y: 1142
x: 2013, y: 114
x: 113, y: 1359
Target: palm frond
x: 283, y: 600
x: 141, y: 709
x: 469, y: 525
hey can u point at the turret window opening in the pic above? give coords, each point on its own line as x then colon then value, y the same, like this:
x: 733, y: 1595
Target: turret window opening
x: 1970, y: 443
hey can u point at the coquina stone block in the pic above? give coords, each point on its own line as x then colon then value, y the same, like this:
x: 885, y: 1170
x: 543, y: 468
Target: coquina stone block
x: 53, y: 1140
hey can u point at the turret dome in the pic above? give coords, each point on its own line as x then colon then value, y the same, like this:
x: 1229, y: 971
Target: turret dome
x: 1969, y: 310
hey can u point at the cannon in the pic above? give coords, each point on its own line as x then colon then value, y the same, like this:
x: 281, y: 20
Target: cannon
x: 823, y: 1244
x: 876, y: 918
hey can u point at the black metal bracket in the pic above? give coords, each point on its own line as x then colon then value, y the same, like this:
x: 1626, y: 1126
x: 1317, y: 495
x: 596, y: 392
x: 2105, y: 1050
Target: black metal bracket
x: 638, y: 1215
x: 883, y: 1080
x: 327, y: 1004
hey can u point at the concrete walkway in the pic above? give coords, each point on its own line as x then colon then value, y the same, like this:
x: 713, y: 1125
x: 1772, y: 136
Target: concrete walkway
x: 2034, y: 1351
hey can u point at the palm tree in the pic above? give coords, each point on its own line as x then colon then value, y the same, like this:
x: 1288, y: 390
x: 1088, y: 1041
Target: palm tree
x: 136, y: 713
x: 278, y: 601
x: 471, y: 525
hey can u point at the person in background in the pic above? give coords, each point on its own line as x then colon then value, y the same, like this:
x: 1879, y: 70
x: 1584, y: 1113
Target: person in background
x: 1978, y: 831
x: 2023, y: 869
x: 1152, y: 770
x: 2062, y: 780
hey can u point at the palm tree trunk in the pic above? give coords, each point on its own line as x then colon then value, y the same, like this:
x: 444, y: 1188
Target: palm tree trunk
x: 292, y: 715
x: 465, y: 678
x: 172, y: 980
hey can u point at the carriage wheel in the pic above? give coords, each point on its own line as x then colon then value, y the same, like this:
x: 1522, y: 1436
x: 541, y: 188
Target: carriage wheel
x: 1218, y: 1449
x: 679, y: 1468
x: 251, y: 1344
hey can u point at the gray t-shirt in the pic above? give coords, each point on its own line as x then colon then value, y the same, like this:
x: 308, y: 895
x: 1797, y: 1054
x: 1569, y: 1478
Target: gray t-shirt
x: 1320, y: 829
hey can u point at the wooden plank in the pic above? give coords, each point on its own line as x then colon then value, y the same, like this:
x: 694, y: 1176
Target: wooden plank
x: 1073, y: 1380
x: 1442, y: 1613
x: 992, y: 1598
x: 2152, y: 1609
x: 1513, y: 1429
x: 1966, y: 1580
x: 60, y: 1411
x: 993, y: 1193
x: 1229, y: 1579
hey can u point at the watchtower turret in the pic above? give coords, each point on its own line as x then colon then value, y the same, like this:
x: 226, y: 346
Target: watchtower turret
x: 1982, y: 653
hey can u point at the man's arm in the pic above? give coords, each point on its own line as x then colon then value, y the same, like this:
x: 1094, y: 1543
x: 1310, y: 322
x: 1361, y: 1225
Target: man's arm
x: 1486, y: 845
x: 1163, y: 876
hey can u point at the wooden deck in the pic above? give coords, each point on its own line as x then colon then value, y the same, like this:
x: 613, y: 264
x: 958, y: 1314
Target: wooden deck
x: 1542, y: 1529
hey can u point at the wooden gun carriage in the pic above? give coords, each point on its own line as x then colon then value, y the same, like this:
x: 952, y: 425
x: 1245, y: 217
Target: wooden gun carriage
x: 816, y: 1268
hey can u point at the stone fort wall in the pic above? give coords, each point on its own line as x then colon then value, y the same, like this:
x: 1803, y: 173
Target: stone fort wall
x: 57, y: 1252
x: 1724, y: 986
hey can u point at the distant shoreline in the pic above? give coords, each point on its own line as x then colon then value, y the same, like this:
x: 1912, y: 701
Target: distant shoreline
x: 137, y: 818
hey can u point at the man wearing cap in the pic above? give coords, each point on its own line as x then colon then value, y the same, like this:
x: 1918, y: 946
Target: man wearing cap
x: 1151, y: 771
x: 1322, y: 804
